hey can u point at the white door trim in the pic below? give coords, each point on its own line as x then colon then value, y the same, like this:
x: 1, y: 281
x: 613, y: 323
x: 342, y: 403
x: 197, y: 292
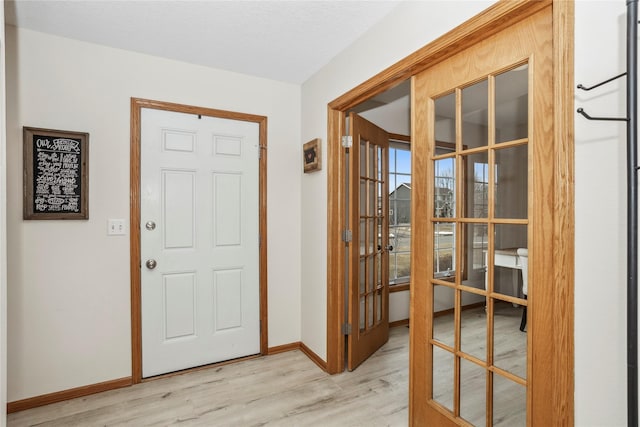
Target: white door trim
x: 136, y: 328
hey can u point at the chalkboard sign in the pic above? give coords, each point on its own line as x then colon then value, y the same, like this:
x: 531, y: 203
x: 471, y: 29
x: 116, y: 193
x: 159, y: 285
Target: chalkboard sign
x: 55, y: 174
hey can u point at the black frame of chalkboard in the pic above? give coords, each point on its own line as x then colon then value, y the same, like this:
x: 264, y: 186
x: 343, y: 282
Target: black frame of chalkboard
x: 29, y: 173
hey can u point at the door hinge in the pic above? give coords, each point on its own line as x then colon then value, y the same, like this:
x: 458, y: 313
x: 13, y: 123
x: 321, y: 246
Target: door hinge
x: 346, y: 329
x: 261, y: 147
x: 347, y: 141
x: 347, y: 236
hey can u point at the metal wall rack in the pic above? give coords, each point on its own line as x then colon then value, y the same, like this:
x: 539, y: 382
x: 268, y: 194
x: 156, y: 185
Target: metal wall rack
x: 632, y: 205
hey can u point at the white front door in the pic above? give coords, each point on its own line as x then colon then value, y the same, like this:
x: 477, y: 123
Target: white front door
x: 199, y: 240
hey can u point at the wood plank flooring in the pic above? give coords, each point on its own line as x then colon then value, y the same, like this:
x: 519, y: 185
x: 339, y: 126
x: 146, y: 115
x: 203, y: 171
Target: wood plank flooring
x: 285, y: 389
x: 288, y: 389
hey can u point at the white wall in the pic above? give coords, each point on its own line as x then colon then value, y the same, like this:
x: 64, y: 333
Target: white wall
x: 3, y: 230
x: 393, y: 117
x: 69, y: 325
x: 406, y: 29
x: 600, y: 260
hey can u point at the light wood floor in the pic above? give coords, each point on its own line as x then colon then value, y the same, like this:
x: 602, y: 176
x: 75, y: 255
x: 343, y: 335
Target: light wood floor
x: 288, y: 389
x: 285, y: 389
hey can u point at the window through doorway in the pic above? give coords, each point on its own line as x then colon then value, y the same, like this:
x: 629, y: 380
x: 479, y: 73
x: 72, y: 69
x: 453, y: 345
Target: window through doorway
x: 399, y: 211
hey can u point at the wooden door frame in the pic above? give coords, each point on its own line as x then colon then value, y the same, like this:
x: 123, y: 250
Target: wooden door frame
x: 560, y: 363
x: 137, y: 104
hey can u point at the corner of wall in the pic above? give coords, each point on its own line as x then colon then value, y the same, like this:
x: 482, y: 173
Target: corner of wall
x: 3, y: 232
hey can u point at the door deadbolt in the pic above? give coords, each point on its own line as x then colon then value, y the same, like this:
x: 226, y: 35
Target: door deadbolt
x: 151, y: 264
x: 150, y: 225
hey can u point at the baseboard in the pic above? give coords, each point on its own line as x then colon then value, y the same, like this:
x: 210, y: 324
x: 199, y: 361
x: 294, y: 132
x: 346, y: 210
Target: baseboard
x: 402, y: 322
x: 314, y: 357
x: 303, y: 348
x: 59, y: 396
x: 284, y: 348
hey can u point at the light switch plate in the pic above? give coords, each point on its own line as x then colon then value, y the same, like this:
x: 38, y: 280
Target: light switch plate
x: 115, y: 227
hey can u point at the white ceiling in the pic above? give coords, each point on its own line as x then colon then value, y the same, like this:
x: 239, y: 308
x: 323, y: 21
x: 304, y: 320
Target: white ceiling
x: 281, y: 40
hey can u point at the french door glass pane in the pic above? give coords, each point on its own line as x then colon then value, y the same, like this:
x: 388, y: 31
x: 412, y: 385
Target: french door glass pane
x: 363, y: 236
x: 370, y: 271
x: 444, y: 249
x: 509, y: 403
x: 371, y: 237
x: 512, y: 109
x: 363, y: 198
x: 476, y: 241
x: 443, y: 317
x: 378, y: 281
x: 473, y: 396
x: 443, y: 377
x: 444, y: 192
x: 476, y: 184
x: 475, y: 113
x: 473, y: 325
x: 362, y: 276
x: 511, y: 182
x: 379, y: 168
x: 507, y: 272
x: 373, y: 161
x: 509, y: 343
x: 372, y: 197
x: 445, y: 119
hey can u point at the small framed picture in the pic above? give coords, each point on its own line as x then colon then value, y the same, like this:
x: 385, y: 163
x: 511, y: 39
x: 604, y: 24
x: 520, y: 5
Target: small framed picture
x: 312, y: 156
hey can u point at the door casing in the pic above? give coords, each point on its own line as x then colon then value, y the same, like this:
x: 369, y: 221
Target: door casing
x: 559, y: 403
x: 137, y: 105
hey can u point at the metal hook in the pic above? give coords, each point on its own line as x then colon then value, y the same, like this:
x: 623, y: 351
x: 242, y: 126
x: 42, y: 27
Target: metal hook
x: 580, y: 86
x: 615, y: 119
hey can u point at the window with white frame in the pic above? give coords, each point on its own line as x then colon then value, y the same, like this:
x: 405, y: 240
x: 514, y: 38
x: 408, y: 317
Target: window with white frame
x: 399, y: 212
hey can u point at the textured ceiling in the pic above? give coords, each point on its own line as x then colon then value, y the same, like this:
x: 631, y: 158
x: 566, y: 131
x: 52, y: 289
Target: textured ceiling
x: 281, y: 40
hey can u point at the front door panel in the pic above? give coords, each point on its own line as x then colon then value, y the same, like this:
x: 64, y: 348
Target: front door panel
x: 199, y: 240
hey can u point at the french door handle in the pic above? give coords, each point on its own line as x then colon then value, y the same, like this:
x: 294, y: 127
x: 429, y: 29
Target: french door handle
x: 388, y: 247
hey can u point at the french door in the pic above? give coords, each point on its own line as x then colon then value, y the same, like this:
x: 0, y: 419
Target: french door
x: 482, y: 212
x: 368, y: 254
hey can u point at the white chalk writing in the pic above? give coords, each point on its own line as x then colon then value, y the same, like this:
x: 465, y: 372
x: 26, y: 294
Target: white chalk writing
x: 57, y: 174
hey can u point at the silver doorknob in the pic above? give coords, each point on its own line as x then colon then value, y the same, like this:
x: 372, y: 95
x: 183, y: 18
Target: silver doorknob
x: 150, y: 225
x: 151, y: 264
